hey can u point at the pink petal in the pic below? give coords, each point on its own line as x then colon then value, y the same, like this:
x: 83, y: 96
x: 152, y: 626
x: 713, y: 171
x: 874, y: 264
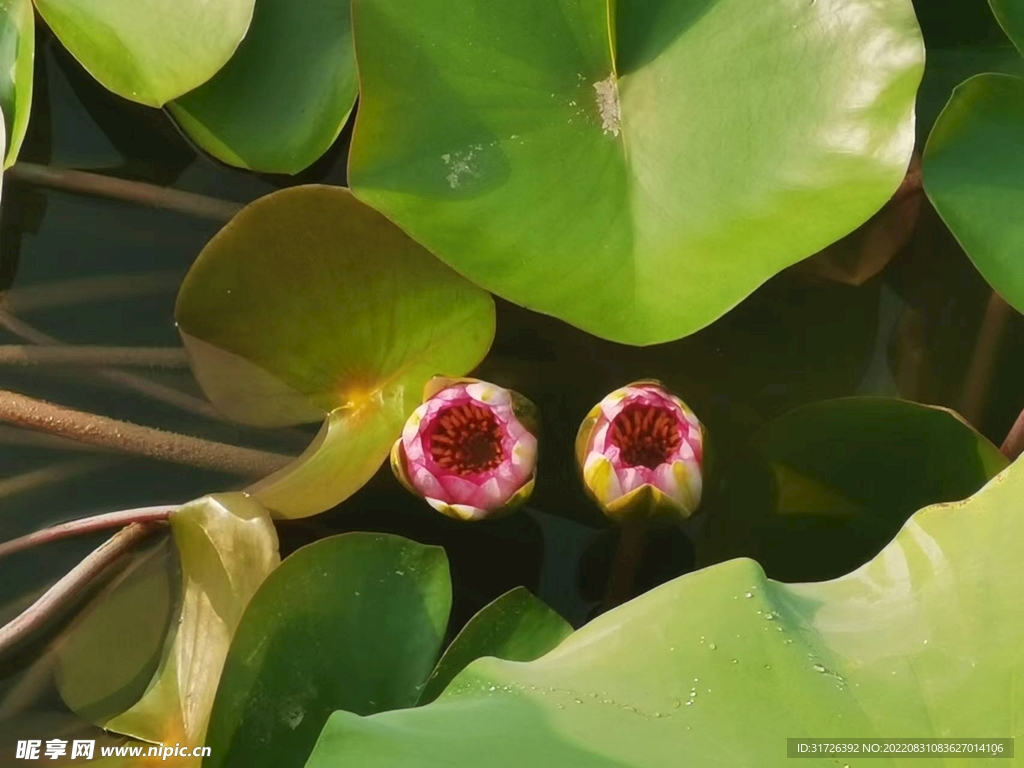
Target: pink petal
x: 423, y: 481
x: 514, y: 428
x: 492, y: 494
x: 631, y: 478
x: 414, y: 450
x: 452, y: 393
x: 599, y: 437
x: 457, y: 490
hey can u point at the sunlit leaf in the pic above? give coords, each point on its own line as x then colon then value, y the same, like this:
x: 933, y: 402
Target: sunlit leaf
x: 309, y: 305
x: 17, y: 55
x: 149, y: 51
x: 720, y: 667
x: 635, y: 172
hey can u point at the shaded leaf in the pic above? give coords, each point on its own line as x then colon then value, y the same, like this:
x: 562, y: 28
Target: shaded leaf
x: 638, y: 193
x: 350, y: 622
x: 227, y: 546
x: 925, y: 639
x: 517, y: 626
x: 149, y: 51
x: 831, y: 482
x: 311, y: 305
x: 974, y: 176
x: 109, y: 655
x: 283, y: 98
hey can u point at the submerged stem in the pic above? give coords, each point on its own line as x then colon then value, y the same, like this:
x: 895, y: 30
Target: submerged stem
x: 41, y: 478
x: 983, y: 361
x: 122, y: 189
x: 141, y: 357
x: 87, y: 525
x: 124, y: 436
x: 131, y: 381
x: 72, y: 585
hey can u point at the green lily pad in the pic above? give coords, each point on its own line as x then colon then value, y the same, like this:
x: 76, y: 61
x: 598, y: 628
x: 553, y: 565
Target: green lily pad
x: 149, y: 51
x: 310, y: 305
x: 517, y: 626
x: 1010, y: 14
x: 974, y: 176
x: 925, y: 640
x: 353, y: 622
x: 284, y: 97
x: 636, y: 178
x: 227, y: 546
x: 830, y: 483
x: 17, y: 56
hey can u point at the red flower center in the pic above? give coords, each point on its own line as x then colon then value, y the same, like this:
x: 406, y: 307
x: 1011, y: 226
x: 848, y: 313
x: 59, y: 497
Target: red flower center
x: 466, y: 439
x: 646, y: 435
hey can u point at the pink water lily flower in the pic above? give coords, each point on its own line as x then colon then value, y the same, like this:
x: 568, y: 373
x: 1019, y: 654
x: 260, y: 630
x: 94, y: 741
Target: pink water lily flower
x: 466, y: 449
x: 641, y: 453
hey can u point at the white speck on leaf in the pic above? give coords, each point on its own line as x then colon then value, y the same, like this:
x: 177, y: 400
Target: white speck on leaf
x: 459, y: 166
x: 608, y: 104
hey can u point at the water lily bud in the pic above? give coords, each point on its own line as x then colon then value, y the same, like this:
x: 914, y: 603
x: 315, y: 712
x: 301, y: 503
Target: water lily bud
x: 469, y: 450
x: 641, y: 452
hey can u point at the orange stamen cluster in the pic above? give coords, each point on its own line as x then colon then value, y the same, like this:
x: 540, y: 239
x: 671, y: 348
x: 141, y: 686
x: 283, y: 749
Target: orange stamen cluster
x: 466, y: 439
x: 647, y: 436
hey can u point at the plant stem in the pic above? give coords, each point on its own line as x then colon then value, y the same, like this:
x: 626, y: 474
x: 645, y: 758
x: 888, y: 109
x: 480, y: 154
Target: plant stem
x: 87, y: 525
x: 1013, y: 445
x: 84, y: 290
x: 26, y: 438
x: 40, y: 478
x: 122, y: 189
x: 124, y: 379
x: 141, y: 357
x: 69, y: 587
x: 983, y: 361
x: 131, y: 438
x: 629, y: 551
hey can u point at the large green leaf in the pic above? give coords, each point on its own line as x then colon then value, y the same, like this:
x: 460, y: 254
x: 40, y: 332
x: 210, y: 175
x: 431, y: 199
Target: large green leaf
x: 516, y: 626
x: 974, y: 175
x: 351, y: 622
x: 634, y: 171
x: 829, y: 484
x: 17, y: 56
x: 227, y: 546
x: 283, y: 98
x: 720, y: 667
x: 1010, y: 14
x: 310, y: 304
x: 149, y: 51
